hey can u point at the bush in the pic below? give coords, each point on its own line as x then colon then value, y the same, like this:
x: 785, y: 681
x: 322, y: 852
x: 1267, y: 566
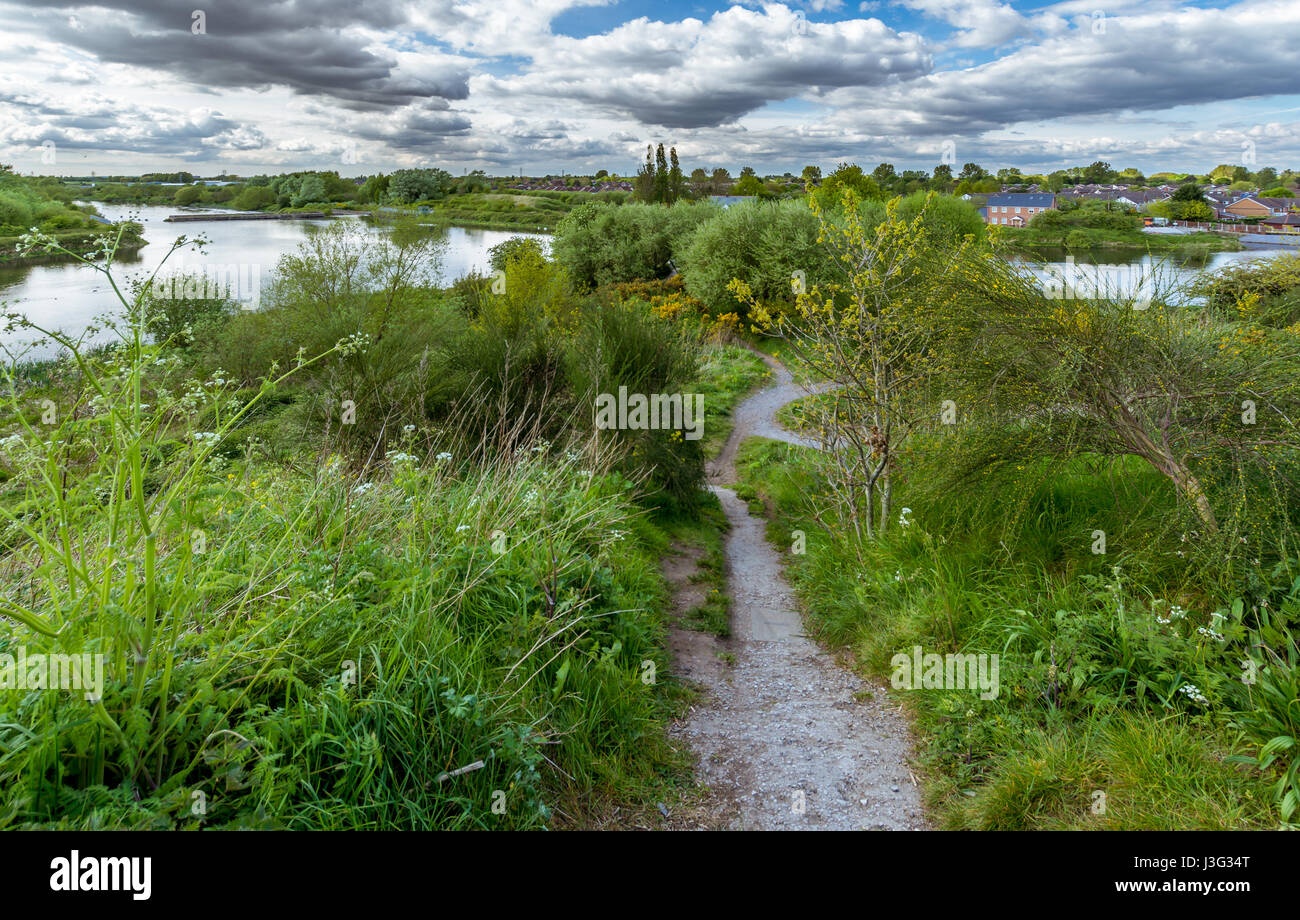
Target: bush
x: 15, y: 213
x: 599, y: 244
x: 764, y: 244
x: 513, y: 249
x: 254, y: 198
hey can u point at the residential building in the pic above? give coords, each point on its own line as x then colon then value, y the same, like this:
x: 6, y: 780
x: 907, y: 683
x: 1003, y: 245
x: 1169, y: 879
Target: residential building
x: 1247, y: 207
x: 1286, y: 223
x: 1016, y: 210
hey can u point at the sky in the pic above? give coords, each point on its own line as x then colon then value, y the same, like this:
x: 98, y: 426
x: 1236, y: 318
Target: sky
x: 572, y: 86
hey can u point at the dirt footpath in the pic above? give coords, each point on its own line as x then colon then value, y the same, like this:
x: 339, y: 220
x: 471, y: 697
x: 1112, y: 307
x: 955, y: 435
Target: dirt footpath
x: 785, y: 737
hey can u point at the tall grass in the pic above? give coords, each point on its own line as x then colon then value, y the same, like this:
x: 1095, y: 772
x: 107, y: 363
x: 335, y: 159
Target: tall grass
x: 431, y: 638
x: 1120, y: 672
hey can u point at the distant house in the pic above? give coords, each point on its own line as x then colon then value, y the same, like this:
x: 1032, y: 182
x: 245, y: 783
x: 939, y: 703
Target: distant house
x: 1286, y: 223
x: 1248, y: 207
x: 1279, y: 206
x: 1016, y: 210
x: 1140, y: 198
x: 727, y: 201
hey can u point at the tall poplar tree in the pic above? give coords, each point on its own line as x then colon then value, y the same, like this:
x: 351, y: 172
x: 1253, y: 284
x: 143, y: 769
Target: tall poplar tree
x: 645, y: 177
x: 676, y: 181
x: 661, y: 175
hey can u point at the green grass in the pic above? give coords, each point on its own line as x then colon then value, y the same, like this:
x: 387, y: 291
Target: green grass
x: 1090, y: 680
x: 728, y: 373
x: 706, y: 532
x: 1095, y: 238
x: 320, y: 637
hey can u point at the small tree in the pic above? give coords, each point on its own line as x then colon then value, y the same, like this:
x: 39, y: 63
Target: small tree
x: 872, y: 335
x: 408, y: 185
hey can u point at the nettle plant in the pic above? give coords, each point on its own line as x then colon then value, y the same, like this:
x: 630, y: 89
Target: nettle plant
x: 103, y: 538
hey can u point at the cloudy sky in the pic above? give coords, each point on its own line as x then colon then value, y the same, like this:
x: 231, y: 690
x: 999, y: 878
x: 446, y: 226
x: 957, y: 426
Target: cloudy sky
x: 361, y: 86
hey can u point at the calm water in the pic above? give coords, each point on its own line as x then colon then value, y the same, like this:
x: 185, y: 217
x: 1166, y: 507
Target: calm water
x: 1123, y: 273
x: 69, y: 296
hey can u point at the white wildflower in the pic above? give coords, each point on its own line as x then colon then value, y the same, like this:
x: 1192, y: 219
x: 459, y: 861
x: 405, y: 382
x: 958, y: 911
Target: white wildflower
x: 1193, y: 693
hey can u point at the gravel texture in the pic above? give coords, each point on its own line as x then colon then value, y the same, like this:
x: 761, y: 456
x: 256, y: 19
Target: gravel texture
x: 786, y: 738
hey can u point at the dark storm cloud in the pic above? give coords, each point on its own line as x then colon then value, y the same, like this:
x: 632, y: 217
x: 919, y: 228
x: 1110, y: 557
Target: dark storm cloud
x: 304, y: 45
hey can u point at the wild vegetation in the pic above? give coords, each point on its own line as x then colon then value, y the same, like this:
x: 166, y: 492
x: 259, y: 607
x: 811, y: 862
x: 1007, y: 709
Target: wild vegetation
x: 358, y: 559
x: 362, y: 558
x: 46, y: 205
x: 1099, y: 491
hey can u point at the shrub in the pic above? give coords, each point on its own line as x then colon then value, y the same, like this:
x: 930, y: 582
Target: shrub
x: 600, y: 244
x: 513, y: 248
x: 254, y: 198
x: 763, y: 244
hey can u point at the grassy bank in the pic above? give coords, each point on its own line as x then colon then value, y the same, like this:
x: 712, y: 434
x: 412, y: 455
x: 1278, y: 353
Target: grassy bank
x: 442, y: 611
x: 82, y: 242
x: 1088, y: 674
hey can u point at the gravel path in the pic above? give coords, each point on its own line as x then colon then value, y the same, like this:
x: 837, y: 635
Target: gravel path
x: 787, y: 738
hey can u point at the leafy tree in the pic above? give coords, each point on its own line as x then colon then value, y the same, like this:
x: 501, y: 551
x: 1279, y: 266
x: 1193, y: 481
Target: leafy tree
x: 830, y: 195
x: 661, y: 186
x: 811, y: 174
x: 311, y: 190
x: 972, y: 172
x: 645, y: 177
x: 409, y: 185
x: 747, y: 171
x: 374, y: 190
x: 597, y: 244
x: 721, y: 181
x: 676, y: 182
x: 513, y: 249
x: 254, y: 198
x: 762, y: 243
x: 749, y: 185
x: 872, y: 334
x: 187, y: 195
x: 884, y: 175
x: 1092, y: 373
x: 941, y: 181
x: 1098, y: 173
x: 1194, y: 210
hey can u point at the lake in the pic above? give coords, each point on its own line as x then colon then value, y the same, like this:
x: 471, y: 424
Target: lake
x: 1126, y: 273
x: 69, y: 295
